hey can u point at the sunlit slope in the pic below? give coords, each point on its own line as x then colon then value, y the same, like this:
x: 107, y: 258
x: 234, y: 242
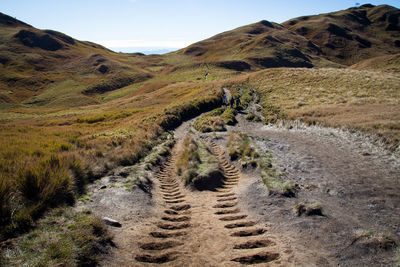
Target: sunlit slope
x: 352, y: 35
x: 260, y: 45
x: 48, y: 68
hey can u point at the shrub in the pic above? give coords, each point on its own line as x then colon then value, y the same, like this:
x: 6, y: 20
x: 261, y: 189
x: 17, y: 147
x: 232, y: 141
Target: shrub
x: 229, y: 116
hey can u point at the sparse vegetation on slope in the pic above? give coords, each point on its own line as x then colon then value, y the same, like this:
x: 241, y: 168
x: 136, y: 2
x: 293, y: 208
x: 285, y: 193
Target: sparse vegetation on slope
x: 241, y: 147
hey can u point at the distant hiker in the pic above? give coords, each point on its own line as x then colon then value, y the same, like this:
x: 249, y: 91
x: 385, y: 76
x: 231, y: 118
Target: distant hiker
x: 231, y: 102
x: 237, y: 102
x: 224, y: 101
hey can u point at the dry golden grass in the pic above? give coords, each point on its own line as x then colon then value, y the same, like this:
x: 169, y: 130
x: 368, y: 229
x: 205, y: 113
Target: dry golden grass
x: 365, y: 100
x: 48, y: 153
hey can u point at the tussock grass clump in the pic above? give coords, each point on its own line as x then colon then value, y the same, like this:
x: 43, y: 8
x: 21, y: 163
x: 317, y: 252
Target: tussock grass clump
x: 374, y: 240
x: 216, y: 120
x: 197, y: 166
x: 308, y: 209
x: 252, y: 117
x: 63, y: 238
x: 188, y: 159
x: 240, y: 147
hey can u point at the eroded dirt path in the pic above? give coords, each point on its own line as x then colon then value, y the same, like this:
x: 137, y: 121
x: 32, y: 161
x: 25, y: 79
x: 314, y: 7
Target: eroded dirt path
x: 239, y: 224
x: 202, y: 228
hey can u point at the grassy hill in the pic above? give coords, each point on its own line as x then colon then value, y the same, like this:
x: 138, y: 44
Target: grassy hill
x: 390, y: 63
x: 49, y: 68
x: 259, y: 45
x: 352, y: 35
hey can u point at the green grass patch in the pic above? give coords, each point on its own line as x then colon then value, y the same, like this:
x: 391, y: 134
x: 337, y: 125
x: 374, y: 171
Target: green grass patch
x: 63, y: 238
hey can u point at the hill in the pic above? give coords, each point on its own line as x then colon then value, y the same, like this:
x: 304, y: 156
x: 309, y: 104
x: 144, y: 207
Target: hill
x: 352, y: 35
x: 49, y: 68
x: 390, y: 63
x: 259, y: 45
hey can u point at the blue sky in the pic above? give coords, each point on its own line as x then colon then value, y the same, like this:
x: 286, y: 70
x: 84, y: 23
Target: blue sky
x: 137, y: 25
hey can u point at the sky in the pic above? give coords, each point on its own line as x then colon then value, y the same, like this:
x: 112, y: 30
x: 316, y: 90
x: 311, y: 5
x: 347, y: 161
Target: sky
x: 161, y: 25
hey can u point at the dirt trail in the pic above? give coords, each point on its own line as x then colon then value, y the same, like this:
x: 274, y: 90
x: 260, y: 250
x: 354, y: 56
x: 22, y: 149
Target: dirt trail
x: 239, y: 224
x: 201, y: 228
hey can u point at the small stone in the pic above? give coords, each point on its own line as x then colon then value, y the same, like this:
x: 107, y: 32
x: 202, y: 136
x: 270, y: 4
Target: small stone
x: 111, y: 222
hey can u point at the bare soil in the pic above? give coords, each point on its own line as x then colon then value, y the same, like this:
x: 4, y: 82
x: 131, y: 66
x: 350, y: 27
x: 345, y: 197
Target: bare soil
x: 355, y: 182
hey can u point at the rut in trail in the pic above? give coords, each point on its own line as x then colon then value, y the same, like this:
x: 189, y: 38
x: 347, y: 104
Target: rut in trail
x: 251, y: 244
x: 164, y: 243
x: 202, y: 228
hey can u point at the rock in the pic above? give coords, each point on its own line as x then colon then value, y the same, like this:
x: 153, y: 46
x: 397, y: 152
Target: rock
x: 111, y: 222
x: 103, y: 187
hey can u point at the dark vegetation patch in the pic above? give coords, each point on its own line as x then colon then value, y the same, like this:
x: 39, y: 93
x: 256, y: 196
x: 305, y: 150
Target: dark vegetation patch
x: 33, y: 39
x: 102, y: 69
x: 116, y: 82
x: 267, y: 23
x: 10, y: 21
x: 61, y: 36
x: 290, y: 58
x: 195, y: 50
x: 234, y: 65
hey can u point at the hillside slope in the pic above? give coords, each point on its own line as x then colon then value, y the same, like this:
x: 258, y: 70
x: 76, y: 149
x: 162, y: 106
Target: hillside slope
x: 259, y: 45
x: 390, y: 63
x: 352, y: 35
x: 49, y: 68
